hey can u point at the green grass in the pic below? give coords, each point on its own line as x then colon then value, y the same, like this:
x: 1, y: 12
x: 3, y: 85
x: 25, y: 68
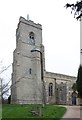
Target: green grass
x: 23, y: 111
x: 0, y: 111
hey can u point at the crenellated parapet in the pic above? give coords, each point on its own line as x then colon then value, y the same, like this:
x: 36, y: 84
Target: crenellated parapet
x: 29, y: 22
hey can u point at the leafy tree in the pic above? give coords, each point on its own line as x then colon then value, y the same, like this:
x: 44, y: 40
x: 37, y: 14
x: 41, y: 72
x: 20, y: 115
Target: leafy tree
x: 79, y: 82
x: 77, y: 8
x: 74, y: 87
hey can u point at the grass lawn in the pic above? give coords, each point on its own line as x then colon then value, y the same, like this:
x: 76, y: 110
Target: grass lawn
x: 23, y: 111
x: 0, y: 111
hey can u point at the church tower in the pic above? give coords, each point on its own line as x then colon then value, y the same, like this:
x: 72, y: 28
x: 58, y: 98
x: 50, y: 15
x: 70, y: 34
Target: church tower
x: 28, y: 64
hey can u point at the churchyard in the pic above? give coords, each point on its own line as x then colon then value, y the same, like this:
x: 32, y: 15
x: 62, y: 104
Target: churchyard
x: 26, y: 111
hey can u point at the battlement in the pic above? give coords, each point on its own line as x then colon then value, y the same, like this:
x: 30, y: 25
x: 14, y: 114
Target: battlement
x: 29, y: 22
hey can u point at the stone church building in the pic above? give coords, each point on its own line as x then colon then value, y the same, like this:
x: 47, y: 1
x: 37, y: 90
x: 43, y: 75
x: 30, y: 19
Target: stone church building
x: 31, y: 83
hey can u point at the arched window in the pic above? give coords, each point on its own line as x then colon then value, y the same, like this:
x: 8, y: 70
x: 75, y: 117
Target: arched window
x: 31, y: 38
x: 31, y: 35
x: 51, y: 89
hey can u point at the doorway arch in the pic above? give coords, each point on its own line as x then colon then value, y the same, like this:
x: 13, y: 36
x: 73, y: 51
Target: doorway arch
x: 74, y: 96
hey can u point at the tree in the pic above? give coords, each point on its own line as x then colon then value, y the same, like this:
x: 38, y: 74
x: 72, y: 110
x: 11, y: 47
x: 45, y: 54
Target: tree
x: 77, y: 8
x: 79, y: 82
x: 4, y: 87
x: 74, y: 87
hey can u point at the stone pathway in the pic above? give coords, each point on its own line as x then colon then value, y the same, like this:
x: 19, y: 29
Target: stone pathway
x: 73, y: 112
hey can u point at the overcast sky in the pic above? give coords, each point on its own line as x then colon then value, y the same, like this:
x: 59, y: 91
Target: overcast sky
x: 61, y: 32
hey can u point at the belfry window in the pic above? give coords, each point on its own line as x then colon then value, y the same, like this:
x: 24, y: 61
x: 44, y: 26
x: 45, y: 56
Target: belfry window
x: 31, y: 35
x: 32, y: 39
x: 51, y: 89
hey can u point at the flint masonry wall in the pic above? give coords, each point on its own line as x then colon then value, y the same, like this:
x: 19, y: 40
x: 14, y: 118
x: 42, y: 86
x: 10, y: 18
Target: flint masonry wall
x: 59, y: 80
x: 26, y: 75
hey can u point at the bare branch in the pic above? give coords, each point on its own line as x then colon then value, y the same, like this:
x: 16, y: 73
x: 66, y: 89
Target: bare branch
x: 6, y: 85
x: 5, y: 69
